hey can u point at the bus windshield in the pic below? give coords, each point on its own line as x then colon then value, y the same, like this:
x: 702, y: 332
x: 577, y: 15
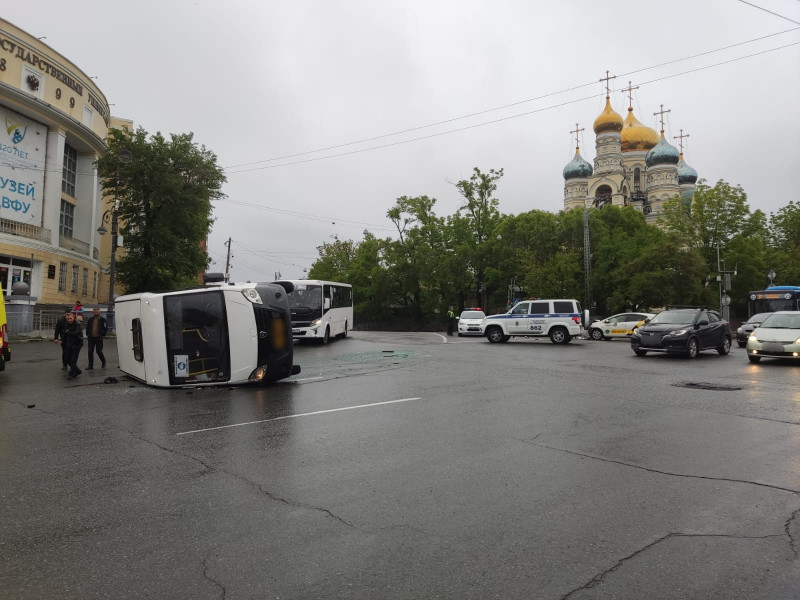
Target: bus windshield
x: 784, y: 297
x: 305, y: 299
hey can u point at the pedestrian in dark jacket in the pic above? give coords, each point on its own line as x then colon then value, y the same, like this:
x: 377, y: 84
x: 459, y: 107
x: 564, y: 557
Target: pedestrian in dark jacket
x: 96, y: 330
x: 73, y: 340
x: 58, y: 338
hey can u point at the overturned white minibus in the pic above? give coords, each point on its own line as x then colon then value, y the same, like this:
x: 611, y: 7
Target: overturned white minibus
x: 221, y: 335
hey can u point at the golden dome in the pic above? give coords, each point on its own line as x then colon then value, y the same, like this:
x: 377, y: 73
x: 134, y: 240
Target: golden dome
x: 636, y: 136
x: 608, y: 120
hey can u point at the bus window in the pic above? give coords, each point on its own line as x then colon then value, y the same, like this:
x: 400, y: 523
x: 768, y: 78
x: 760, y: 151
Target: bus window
x: 138, y: 349
x: 779, y: 297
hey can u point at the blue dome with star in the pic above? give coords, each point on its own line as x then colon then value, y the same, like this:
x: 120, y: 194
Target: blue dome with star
x: 577, y: 168
x: 686, y: 174
x: 663, y: 153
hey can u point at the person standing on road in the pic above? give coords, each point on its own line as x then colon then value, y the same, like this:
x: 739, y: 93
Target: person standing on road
x: 58, y: 337
x: 451, y: 320
x: 96, y: 330
x: 73, y: 340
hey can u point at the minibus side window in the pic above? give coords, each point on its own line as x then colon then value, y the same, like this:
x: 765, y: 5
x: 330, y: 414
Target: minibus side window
x: 136, y: 330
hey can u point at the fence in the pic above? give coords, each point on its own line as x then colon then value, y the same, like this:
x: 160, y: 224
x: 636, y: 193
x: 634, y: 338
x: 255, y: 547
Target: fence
x: 26, y: 321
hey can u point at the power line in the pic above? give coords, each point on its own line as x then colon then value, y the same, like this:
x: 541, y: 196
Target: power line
x: 769, y: 11
x: 320, y: 218
x: 433, y: 135
x: 282, y: 262
x: 84, y: 173
x: 482, y: 112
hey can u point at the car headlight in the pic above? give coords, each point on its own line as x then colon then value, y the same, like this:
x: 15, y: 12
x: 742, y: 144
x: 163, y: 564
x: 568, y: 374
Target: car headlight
x: 752, y: 338
x: 797, y: 341
x: 679, y: 332
x: 739, y: 330
x: 252, y: 295
x: 316, y: 322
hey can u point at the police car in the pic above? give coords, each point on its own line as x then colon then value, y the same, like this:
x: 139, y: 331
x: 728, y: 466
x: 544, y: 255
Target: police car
x: 469, y: 323
x: 621, y: 325
x: 560, y: 320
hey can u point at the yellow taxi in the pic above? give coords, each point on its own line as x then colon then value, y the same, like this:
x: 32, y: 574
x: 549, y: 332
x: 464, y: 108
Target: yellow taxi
x: 621, y: 325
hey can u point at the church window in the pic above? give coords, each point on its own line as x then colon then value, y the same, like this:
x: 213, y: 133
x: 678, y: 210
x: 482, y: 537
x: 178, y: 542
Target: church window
x: 637, y: 174
x: 602, y: 196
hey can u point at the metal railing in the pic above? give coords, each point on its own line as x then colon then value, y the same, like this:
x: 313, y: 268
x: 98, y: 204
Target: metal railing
x: 74, y: 244
x: 25, y: 230
x: 28, y: 323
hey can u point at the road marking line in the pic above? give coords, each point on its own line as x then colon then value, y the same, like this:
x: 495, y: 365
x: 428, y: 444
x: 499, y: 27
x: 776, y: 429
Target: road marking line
x: 306, y: 379
x: 318, y: 412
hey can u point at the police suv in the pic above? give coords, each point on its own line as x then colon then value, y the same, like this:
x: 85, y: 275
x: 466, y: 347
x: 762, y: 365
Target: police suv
x: 560, y: 320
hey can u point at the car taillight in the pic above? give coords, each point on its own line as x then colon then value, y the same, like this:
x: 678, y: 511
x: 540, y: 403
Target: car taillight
x: 577, y: 320
x: 4, y: 337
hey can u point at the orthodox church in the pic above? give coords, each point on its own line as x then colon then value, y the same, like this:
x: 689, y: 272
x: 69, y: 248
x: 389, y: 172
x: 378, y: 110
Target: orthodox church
x: 634, y: 166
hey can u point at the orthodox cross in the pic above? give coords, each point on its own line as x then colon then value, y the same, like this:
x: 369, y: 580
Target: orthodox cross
x: 576, y: 131
x: 607, y: 79
x: 630, y: 89
x: 662, y: 112
x: 680, y: 137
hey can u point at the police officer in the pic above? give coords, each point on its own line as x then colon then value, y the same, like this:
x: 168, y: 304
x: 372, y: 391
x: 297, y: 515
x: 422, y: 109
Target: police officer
x: 451, y: 321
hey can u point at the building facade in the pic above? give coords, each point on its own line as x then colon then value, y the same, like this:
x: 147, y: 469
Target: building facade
x: 55, y: 121
x: 633, y: 166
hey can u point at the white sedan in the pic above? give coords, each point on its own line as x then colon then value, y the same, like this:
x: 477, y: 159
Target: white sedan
x: 469, y: 323
x: 621, y: 325
x: 777, y: 337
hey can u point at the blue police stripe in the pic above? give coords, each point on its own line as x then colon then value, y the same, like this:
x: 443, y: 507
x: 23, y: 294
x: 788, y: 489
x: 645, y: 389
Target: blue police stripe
x: 539, y: 316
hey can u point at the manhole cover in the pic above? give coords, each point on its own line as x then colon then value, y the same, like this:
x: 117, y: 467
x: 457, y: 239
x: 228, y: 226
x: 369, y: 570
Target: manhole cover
x: 703, y: 385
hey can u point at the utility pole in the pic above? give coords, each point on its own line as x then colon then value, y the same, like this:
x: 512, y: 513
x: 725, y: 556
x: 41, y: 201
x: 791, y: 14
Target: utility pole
x: 228, y: 262
x: 587, y: 260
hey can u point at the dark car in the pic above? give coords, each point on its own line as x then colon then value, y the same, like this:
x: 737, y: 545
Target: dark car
x: 683, y: 331
x: 747, y: 327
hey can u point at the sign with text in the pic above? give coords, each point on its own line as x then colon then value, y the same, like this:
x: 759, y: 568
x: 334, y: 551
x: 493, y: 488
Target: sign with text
x: 22, y: 155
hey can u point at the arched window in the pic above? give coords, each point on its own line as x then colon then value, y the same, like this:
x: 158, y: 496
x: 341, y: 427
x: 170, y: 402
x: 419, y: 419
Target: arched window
x: 602, y: 196
x: 637, y: 178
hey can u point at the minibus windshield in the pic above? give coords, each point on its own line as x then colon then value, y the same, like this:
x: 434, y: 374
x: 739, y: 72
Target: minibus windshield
x: 197, y: 337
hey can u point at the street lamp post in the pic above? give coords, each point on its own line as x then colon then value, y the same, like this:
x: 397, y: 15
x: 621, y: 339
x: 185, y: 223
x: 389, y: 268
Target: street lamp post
x: 724, y: 284
x: 123, y: 156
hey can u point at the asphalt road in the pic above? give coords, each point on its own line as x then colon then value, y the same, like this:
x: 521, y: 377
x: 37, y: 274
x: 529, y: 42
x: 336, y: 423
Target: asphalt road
x: 401, y: 466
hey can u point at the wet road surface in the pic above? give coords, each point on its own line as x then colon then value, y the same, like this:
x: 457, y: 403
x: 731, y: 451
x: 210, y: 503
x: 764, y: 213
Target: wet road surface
x: 407, y: 465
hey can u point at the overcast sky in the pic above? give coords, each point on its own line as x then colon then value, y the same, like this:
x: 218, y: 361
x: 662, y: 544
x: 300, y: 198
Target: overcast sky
x: 260, y: 80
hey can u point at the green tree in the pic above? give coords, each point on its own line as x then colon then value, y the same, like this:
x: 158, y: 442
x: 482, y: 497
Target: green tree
x: 165, y: 195
x: 335, y: 260
x: 474, y: 225
x: 717, y: 215
x: 784, y: 252
x: 415, y: 254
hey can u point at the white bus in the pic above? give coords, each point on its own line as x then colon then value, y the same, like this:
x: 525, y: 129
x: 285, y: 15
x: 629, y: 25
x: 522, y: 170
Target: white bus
x: 220, y: 335
x: 320, y: 309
